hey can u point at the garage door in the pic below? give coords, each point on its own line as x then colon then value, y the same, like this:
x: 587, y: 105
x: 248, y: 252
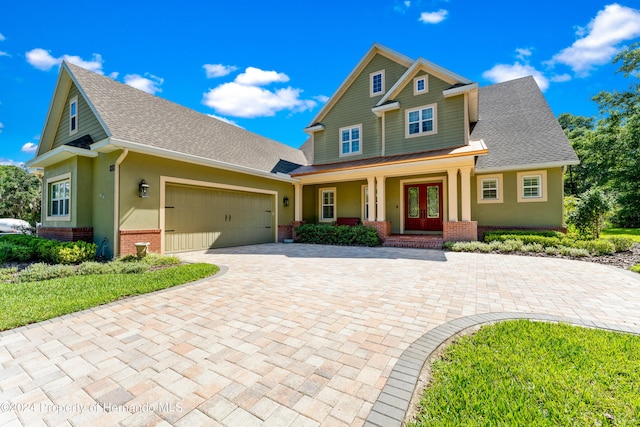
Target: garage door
x: 201, y: 218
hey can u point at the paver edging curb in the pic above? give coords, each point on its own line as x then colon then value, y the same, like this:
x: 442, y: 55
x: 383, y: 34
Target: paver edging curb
x: 394, y: 400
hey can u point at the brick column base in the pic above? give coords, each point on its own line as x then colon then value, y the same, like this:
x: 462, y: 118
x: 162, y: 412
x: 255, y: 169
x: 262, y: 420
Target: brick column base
x: 457, y: 231
x: 294, y: 225
x: 128, y: 239
x: 383, y: 227
x: 66, y: 234
x: 285, y: 232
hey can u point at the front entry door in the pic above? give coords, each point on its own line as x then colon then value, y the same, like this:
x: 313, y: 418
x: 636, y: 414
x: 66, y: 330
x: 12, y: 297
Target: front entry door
x: 423, y: 207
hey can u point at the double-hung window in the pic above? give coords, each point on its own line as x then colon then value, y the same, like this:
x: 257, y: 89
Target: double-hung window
x: 59, y: 198
x: 327, y: 204
x: 73, y: 115
x: 376, y: 83
x: 421, y: 121
x: 490, y: 188
x: 532, y: 186
x: 350, y: 140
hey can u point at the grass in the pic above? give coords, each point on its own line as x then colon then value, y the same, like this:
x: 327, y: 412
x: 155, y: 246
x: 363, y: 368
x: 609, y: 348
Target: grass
x: 24, y: 303
x: 538, y: 374
x: 629, y: 233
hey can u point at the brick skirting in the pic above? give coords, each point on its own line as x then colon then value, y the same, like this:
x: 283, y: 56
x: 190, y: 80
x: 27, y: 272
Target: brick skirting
x: 67, y: 234
x: 457, y: 231
x: 294, y: 225
x: 383, y: 227
x: 285, y: 232
x: 128, y: 239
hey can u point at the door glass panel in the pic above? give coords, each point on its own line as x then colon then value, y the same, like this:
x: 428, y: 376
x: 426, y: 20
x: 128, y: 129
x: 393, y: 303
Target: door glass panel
x: 433, y: 202
x: 414, y: 202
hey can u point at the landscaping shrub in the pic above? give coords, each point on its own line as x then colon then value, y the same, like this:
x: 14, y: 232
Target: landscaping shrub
x: 532, y: 247
x: 6, y: 274
x: 635, y: 268
x: 545, y: 239
x: 30, y: 248
x: 93, y: 267
x: 574, y: 252
x: 591, y: 211
x: 345, y: 235
x: 41, y: 271
x: 596, y: 247
x: 13, y: 253
x: 75, y: 252
x: 621, y: 244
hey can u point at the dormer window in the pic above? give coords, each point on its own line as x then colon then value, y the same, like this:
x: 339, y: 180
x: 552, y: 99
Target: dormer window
x: 73, y: 116
x: 420, y: 85
x: 377, y: 83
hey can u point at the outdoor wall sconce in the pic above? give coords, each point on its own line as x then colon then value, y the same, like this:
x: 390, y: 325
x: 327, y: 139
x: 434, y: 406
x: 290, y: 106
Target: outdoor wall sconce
x: 285, y: 201
x: 143, y: 188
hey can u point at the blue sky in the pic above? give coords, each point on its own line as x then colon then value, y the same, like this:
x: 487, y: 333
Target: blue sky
x: 268, y: 66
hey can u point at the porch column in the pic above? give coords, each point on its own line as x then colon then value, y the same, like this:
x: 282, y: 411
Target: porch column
x: 465, y: 193
x: 452, y: 185
x: 297, y: 202
x: 381, y: 198
x: 371, y: 193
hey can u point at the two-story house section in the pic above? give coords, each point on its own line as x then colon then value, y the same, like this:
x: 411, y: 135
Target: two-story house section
x: 413, y: 148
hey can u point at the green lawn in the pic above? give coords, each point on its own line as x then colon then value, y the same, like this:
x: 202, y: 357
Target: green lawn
x: 630, y: 233
x: 539, y: 374
x: 24, y: 303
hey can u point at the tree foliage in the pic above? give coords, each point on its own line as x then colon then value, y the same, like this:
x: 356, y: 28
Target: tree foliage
x: 590, y: 212
x: 609, y: 148
x: 20, y: 194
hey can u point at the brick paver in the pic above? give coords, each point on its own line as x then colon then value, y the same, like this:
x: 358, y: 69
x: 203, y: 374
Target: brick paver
x: 289, y: 335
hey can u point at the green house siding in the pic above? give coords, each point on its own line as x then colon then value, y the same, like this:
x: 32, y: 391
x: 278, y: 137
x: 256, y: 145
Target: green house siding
x: 144, y: 213
x: 88, y: 124
x: 102, y: 193
x: 353, y: 108
x: 514, y: 213
x: 449, y: 115
x: 80, y: 202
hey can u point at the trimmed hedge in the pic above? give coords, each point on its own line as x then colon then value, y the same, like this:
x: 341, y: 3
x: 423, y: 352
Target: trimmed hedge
x: 23, y: 248
x: 344, y: 235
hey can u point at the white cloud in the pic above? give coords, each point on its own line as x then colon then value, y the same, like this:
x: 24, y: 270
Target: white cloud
x: 523, y: 53
x: 560, y: 78
x: 150, y: 84
x: 9, y: 162
x: 600, y: 40
x: 256, y: 77
x: 1, y: 126
x: 224, y: 119
x: 2, y: 38
x: 321, y: 98
x: 504, y: 72
x: 218, y: 70
x: 240, y: 100
x: 29, y: 147
x: 2, y: 53
x: 433, y: 17
x: 43, y: 60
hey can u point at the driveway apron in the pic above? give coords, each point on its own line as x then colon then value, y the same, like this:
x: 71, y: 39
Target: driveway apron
x: 288, y: 334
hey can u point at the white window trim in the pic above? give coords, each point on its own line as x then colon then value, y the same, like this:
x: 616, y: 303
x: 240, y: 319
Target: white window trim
x: 543, y: 186
x: 71, y: 102
x: 350, y: 153
x: 375, y: 73
x: 407, y: 135
x: 498, y: 178
x: 321, y: 192
x: 426, y: 85
x: 48, y: 183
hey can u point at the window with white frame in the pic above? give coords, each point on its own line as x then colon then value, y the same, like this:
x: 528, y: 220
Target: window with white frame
x: 350, y: 140
x: 59, y: 196
x: 420, y: 85
x: 489, y: 188
x: 421, y: 121
x: 532, y: 186
x: 376, y: 83
x: 327, y: 204
x: 73, y: 115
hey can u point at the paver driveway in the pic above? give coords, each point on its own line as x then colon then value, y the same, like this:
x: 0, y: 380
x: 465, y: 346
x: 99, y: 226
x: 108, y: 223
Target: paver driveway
x: 289, y: 335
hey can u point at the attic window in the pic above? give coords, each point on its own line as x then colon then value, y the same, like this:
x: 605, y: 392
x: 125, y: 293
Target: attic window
x: 377, y: 83
x: 420, y: 85
x: 73, y: 115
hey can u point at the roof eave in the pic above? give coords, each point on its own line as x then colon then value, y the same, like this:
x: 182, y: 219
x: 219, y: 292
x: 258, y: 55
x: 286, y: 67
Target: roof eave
x: 529, y: 166
x: 58, y: 155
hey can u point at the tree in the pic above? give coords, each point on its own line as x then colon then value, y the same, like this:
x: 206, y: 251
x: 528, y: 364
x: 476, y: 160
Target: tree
x: 590, y: 212
x: 20, y: 194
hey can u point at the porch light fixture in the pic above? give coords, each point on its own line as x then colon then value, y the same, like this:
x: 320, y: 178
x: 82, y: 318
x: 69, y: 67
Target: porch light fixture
x: 285, y: 201
x: 143, y: 188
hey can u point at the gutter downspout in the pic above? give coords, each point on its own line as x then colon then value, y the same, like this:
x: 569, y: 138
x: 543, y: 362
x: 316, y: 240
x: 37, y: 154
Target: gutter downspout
x: 116, y: 203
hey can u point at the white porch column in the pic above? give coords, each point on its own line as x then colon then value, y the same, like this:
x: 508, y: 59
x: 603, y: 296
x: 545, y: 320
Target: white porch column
x: 371, y: 194
x: 465, y: 193
x: 381, y: 198
x: 297, y: 202
x: 452, y: 185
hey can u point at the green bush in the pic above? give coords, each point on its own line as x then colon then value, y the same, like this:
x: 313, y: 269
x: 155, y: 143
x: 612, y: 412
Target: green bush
x: 596, y: 247
x: 6, y: 274
x: 511, y: 245
x: 30, y: 248
x: 75, y: 252
x: 545, y: 240
x: 14, y: 253
x: 93, y: 267
x: 621, y: 244
x: 574, y: 252
x: 591, y: 211
x: 551, y: 250
x: 345, y: 235
x: 41, y: 271
x: 635, y: 268
x: 533, y: 247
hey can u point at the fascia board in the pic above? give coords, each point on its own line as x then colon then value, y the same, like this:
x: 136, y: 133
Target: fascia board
x: 59, y: 154
x: 524, y: 167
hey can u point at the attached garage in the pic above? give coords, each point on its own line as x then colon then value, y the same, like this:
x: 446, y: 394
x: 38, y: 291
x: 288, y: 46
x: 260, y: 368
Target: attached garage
x: 198, y: 218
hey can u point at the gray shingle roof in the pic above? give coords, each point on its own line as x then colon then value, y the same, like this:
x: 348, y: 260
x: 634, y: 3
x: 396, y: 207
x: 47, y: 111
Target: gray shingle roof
x: 519, y: 128
x: 135, y: 116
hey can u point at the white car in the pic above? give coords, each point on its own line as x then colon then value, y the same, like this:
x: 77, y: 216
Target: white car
x: 12, y: 225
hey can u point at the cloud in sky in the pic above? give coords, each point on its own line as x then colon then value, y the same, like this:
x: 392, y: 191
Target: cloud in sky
x: 433, y: 17
x: 504, y: 72
x: 2, y: 38
x: 29, y: 147
x: 245, y: 96
x: 601, y: 39
x: 1, y: 126
x: 43, y: 60
x: 2, y: 53
x: 224, y: 119
x: 9, y: 162
x: 218, y: 70
x: 150, y: 84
